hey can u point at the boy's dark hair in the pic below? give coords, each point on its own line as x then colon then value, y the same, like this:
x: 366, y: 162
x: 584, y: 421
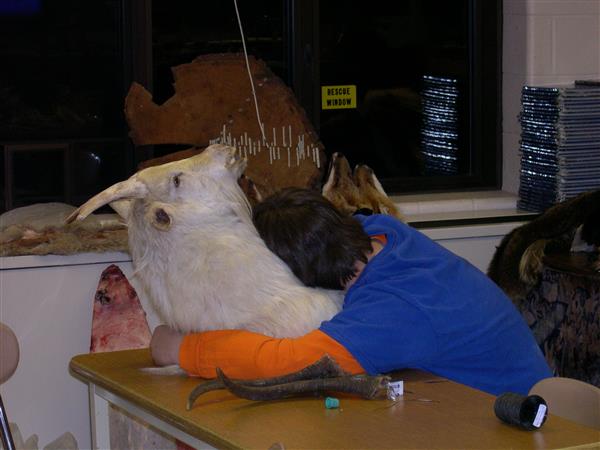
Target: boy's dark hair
x: 314, y: 239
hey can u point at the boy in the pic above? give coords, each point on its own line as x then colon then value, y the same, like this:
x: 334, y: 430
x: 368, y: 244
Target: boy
x: 409, y: 303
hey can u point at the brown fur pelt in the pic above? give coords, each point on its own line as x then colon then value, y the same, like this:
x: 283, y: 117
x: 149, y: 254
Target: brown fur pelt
x: 65, y: 241
x: 355, y: 192
x: 518, y: 260
x: 39, y: 229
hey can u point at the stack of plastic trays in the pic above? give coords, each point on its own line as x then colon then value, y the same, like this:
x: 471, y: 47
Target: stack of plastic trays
x: 560, y: 143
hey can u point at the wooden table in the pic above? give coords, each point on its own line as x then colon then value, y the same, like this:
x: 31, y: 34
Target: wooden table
x: 433, y: 414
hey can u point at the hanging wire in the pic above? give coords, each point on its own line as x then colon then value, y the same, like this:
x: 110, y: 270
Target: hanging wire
x: 260, y: 124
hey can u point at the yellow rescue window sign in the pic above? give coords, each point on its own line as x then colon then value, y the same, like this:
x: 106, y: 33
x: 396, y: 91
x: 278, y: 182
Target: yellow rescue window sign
x: 338, y: 97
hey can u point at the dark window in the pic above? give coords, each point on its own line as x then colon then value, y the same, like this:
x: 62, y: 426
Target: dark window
x: 62, y: 70
x: 183, y: 30
x: 426, y: 74
x: 62, y: 86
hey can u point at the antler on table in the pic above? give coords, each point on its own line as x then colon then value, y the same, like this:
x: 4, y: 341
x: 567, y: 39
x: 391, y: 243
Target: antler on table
x: 365, y: 386
x: 323, y: 375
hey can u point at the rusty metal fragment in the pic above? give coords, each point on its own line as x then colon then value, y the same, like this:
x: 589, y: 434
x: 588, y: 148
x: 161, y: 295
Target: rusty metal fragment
x: 212, y: 97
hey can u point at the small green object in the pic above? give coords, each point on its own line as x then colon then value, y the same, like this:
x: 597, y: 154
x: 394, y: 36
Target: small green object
x: 332, y: 403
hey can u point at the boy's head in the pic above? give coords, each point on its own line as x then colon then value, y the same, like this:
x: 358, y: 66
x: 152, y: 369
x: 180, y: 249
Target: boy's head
x: 317, y: 242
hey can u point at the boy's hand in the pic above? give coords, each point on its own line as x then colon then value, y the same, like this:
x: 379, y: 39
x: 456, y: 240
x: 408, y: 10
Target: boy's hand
x: 164, y: 346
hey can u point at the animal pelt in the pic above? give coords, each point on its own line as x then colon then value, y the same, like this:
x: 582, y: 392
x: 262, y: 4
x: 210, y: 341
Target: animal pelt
x: 371, y: 192
x: 66, y: 241
x: 518, y: 260
x: 355, y: 192
x: 340, y: 188
x: 199, y: 257
x: 39, y: 229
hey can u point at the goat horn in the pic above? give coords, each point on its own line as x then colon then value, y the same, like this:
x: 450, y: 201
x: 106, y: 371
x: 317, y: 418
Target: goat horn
x: 324, y: 368
x: 131, y: 188
x: 365, y: 386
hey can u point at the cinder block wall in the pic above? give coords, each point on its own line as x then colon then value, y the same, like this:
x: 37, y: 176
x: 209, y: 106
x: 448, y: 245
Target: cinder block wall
x: 545, y: 42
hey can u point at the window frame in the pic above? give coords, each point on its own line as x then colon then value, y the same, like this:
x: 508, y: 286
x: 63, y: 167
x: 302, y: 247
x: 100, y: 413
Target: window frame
x: 485, y: 119
x: 301, y: 40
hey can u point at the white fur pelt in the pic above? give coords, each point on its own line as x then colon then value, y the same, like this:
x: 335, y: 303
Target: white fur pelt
x: 199, y: 257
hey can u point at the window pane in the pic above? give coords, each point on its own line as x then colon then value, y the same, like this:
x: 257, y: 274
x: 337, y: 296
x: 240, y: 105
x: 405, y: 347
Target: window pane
x: 38, y: 174
x: 96, y: 166
x: 406, y: 123
x: 62, y: 70
x: 183, y: 30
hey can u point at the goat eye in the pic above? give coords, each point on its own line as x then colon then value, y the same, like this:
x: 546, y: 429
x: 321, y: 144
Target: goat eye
x: 176, y: 180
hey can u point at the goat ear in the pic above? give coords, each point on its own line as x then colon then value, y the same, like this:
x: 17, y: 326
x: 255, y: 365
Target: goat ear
x: 160, y: 216
x: 122, y: 207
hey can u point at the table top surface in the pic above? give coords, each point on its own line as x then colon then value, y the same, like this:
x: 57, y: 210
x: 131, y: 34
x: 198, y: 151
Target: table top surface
x: 432, y: 413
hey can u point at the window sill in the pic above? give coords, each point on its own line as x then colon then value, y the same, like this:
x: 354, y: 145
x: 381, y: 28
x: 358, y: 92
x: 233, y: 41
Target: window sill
x: 453, y: 208
x: 440, y: 216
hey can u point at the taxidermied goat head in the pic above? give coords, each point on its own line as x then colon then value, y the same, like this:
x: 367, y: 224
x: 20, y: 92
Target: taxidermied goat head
x: 198, y: 255
x: 154, y: 192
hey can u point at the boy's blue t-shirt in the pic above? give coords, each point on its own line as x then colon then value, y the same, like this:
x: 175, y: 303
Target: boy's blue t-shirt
x: 417, y: 305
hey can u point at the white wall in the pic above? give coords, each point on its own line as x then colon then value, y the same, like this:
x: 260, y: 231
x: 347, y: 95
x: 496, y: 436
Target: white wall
x: 48, y: 302
x: 475, y: 243
x: 545, y: 42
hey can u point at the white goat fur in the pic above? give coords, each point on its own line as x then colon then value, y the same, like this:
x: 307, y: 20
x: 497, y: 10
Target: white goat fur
x: 205, y: 267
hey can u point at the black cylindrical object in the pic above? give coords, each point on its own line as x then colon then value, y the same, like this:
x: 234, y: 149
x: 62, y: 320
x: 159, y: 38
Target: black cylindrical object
x: 527, y: 412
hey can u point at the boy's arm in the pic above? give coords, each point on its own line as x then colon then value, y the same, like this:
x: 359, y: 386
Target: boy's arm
x: 244, y: 354
x: 164, y: 345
